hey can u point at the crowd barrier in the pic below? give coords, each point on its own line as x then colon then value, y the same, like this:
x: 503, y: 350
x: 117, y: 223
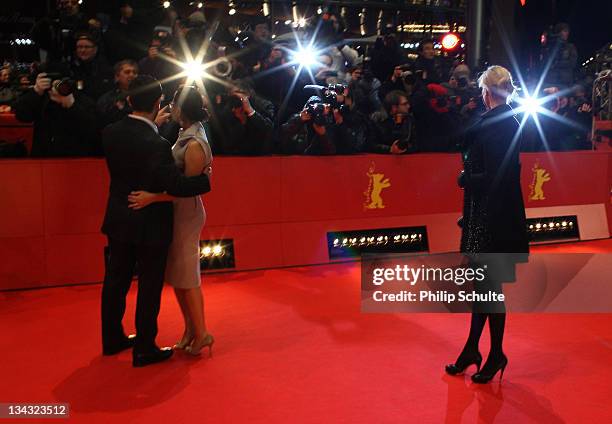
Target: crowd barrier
x: 278, y: 210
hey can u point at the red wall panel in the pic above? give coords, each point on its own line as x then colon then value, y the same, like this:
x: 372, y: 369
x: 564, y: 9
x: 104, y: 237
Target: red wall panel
x: 21, y: 209
x: 75, y: 194
x: 276, y: 209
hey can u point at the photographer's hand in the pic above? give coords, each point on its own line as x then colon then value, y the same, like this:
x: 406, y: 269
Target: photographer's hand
x: 305, y: 116
x: 64, y: 101
x: 42, y: 84
x: 338, y: 117
x: 395, y: 149
x: 319, y: 129
x: 246, y: 104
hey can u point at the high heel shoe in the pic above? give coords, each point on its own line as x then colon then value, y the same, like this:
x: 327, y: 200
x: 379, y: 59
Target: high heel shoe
x: 491, y: 367
x: 183, y: 343
x: 195, y: 350
x: 464, y: 361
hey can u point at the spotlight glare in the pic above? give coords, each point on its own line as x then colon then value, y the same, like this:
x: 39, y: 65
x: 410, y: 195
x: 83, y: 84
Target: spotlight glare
x: 200, y: 5
x: 232, y: 11
x: 217, y: 250
x: 530, y: 105
x: 166, y: 4
x: 194, y: 70
x: 305, y: 56
x: 319, y: 11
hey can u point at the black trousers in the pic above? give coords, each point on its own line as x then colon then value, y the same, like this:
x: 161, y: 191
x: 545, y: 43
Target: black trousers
x: 120, y: 265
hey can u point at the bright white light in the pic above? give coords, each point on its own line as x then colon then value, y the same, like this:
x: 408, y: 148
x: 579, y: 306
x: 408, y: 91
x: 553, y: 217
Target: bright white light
x: 194, y: 70
x: 288, y: 21
x: 305, y: 56
x: 302, y: 22
x: 319, y: 11
x: 206, y: 251
x: 166, y: 4
x: 217, y: 250
x: 200, y: 5
x: 232, y: 11
x: 273, y: 36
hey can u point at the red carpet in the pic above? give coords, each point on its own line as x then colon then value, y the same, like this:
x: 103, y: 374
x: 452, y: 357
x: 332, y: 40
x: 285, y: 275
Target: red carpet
x: 293, y: 347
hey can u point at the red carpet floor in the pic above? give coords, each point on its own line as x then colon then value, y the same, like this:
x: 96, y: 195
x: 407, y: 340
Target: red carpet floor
x: 293, y: 347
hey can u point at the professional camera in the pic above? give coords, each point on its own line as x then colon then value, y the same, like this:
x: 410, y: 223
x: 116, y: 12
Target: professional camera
x: 64, y: 86
x: 321, y: 113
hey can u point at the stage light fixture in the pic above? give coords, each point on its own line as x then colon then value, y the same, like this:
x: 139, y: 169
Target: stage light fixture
x: 450, y: 41
x: 555, y: 228
x: 353, y: 243
x: 216, y: 254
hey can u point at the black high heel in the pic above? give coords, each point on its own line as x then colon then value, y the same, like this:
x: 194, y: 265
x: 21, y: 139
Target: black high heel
x: 462, y: 363
x: 490, y: 369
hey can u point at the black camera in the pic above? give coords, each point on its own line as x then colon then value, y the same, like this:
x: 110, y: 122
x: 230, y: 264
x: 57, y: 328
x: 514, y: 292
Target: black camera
x: 331, y: 93
x: 318, y: 113
x: 64, y: 86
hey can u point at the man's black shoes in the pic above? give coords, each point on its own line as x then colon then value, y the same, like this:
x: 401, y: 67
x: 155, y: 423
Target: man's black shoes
x: 141, y: 359
x: 127, y: 343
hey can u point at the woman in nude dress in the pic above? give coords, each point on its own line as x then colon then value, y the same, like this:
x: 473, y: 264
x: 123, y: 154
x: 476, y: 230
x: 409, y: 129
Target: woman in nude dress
x: 193, y: 155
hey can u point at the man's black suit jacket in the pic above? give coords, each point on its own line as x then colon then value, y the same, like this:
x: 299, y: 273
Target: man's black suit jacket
x: 139, y: 159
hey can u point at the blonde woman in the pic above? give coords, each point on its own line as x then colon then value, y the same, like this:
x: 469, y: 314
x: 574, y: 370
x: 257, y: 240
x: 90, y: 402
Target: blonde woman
x: 493, y: 216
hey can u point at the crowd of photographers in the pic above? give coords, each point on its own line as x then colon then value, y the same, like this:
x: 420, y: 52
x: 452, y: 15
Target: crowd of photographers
x: 260, y: 102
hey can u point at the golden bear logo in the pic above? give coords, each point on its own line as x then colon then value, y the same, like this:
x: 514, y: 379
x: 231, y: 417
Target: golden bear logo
x: 540, y: 176
x: 376, y: 185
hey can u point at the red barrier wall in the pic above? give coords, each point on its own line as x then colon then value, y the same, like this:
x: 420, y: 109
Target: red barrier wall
x: 278, y: 210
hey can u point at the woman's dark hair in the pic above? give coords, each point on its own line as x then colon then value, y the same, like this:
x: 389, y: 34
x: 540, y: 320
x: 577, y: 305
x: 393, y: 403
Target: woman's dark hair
x: 189, y: 99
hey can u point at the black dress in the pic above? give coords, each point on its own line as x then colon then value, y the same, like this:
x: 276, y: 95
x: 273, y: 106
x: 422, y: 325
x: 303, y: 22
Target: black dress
x: 493, y: 210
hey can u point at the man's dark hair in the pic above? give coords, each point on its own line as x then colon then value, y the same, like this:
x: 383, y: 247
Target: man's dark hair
x: 125, y: 62
x: 393, y: 98
x: 144, y: 91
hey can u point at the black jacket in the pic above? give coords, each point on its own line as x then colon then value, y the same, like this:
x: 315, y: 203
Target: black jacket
x: 493, y: 211
x: 59, y: 131
x: 139, y: 159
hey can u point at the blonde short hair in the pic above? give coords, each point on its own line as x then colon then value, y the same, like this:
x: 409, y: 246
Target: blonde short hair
x: 497, y: 80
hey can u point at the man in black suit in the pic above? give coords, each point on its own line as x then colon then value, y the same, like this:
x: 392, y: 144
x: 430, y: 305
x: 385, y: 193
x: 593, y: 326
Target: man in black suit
x: 139, y: 159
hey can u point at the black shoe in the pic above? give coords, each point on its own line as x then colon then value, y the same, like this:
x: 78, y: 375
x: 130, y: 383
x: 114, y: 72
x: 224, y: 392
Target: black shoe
x: 490, y: 369
x: 127, y: 343
x: 141, y: 359
x: 463, y: 361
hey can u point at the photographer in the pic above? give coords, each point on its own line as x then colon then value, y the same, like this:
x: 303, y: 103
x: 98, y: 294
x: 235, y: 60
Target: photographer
x: 91, y: 71
x: 438, y: 118
x: 352, y: 127
x: 364, y: 88
x: 427, y: 67
x: 55, y: 35
x: 394, y: 127
x: 398, y: 81
x: 562, y: 56
x: 237, y: 128
x: 113, y: 106
x: 273, y: 79
x: 64, y: 119
x: 310, y: 132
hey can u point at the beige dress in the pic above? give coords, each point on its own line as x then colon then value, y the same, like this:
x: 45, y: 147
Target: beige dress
x: 183, y: 267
